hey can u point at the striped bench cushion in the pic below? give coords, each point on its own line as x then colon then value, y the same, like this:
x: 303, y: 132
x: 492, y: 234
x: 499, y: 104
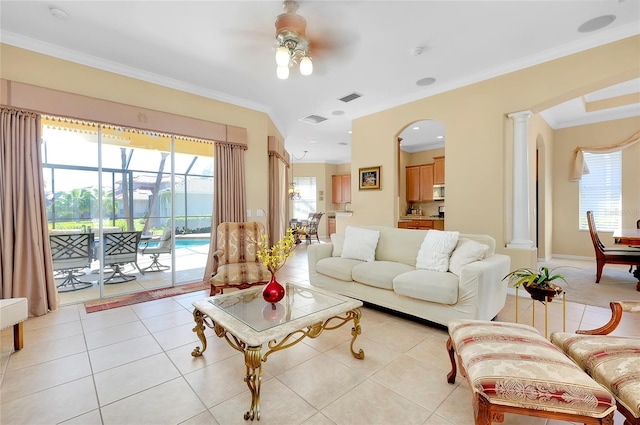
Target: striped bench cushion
x: 612, y: 361
x: 513, y: 365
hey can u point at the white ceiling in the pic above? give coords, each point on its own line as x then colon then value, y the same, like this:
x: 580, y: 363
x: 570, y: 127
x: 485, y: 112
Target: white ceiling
x: 225, y: 50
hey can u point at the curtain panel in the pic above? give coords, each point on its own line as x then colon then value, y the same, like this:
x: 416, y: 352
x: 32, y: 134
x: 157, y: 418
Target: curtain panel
x: 579, y: 166
x: 229, y: 198
x: 26, y: 268
x: 277, y: 199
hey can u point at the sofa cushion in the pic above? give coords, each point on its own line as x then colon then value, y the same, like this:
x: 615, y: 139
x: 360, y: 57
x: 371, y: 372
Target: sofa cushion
x: 466, y: 252
x: 360, y: 243
x: 399, y: 245
x: 612, y: 361
x: 436, y: 249
x: 379, y: 273
x: 337, y: 267
x: 238, y: 273
x: 428, y: 285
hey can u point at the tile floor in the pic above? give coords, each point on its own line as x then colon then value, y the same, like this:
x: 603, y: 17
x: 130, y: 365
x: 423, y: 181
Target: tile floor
x: 133, y: 365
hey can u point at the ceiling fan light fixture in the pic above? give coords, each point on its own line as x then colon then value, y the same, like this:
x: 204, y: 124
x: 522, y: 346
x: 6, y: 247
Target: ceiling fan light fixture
x: 282, y: 56
x: 293, y: 46
x: 306, y: 66
x: 282, y: 72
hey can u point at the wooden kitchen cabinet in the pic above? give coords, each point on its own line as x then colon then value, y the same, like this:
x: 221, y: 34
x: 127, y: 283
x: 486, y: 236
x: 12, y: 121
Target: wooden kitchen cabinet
x: 341, y: 189
x: 331, y: 226
x: 420, y: 183
x: 421, y: 224
x: 416, y: 224
x: 438, y: 170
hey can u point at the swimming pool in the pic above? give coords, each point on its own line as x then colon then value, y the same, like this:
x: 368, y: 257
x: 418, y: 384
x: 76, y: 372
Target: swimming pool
x: 186, y: 243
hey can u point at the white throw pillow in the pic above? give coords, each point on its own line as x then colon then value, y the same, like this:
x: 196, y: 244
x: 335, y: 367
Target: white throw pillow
x: 466, y: 252
x: 436, y: 249
x: 360, y: 244
x: 337, y: 239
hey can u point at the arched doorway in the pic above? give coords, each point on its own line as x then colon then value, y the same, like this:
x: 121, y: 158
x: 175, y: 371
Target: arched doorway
x: 420, y: 143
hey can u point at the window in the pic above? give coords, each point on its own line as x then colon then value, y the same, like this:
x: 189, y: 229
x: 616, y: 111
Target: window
x: 307, y: 202
x: 601, y: 191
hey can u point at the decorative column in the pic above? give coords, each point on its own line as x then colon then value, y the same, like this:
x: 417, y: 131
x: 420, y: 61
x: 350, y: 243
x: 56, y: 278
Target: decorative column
x: 521, y: 218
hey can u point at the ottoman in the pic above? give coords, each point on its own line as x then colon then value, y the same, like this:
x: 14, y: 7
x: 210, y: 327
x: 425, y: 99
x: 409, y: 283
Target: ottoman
x: 14, y: 311
x: 512, y: 368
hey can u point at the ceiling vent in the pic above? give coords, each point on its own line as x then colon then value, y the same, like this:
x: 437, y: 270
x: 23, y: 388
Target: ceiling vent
x: 312, y: 119
x: 350, y: 97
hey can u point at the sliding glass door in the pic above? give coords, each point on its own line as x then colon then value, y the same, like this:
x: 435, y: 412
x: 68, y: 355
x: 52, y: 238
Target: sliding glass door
x: 152, y: 193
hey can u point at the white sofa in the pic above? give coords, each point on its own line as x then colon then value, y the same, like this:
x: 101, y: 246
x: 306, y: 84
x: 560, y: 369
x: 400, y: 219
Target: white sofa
x: 393, y: 282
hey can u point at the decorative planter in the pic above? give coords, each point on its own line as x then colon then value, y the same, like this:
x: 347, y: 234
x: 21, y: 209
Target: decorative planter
x: 273, y: 291
x: 541, y: 293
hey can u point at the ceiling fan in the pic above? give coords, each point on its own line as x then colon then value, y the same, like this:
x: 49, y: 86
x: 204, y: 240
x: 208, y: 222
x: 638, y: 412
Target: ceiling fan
x: 293, y: 45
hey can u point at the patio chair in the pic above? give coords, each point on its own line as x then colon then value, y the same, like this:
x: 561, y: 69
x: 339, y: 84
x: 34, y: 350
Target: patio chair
x: 120, y: 248
x: 70, y: 253
x: 236, y: 264
x: 164, y: 246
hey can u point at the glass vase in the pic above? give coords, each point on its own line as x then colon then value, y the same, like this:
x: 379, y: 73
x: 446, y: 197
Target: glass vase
x: 273, y: 291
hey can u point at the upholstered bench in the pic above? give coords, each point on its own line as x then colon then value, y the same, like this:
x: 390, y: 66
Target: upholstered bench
x: 14, y: 311
x: 512, y: 368
x: 612, y: 361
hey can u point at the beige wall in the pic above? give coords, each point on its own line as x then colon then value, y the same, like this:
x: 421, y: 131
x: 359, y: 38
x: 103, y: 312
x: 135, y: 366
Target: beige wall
x: 40, y: 70
x: 479, y: 136
x: 541, y: 143
x: 567, y: 239
x: 322, y: 173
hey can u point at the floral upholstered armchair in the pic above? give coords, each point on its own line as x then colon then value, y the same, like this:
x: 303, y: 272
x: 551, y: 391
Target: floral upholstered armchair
x: 236, y: 263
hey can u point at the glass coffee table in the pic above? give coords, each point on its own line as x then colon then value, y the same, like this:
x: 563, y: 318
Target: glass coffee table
x: 247, y: 322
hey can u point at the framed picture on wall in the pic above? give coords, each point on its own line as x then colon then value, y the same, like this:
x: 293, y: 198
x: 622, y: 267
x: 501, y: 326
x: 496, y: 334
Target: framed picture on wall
x: 369, y: 178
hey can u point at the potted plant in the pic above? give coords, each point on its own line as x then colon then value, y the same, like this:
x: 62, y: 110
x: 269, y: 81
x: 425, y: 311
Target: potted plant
x: 538, y: 283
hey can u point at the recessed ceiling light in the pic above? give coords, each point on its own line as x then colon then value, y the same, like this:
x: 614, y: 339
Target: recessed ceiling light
x: 337, y: 113
x: 343, y: 143
x: 349, y: 131
x: 416, y: 128
x: 596, y: 23
x: 58, y: 13
x: 313, y: 141
x: 440, y: 137
x: 426, y: 81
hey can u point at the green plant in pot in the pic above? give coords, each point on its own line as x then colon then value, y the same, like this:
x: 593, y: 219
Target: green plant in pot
x: 538, y: 283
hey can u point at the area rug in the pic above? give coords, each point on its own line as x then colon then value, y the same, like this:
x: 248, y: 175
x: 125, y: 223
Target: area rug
x: 616, y: 283
x: 140, y: 297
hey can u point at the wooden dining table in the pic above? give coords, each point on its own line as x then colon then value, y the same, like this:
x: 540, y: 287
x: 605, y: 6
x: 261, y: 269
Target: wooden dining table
x: 627, y: 237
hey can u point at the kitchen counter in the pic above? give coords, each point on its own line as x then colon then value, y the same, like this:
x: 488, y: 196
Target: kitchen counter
x: 420, y: 217
x: 340, y: 213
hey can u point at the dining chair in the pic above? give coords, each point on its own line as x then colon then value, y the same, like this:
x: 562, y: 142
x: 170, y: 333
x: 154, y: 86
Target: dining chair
x: 71, y: 253
x: 120, y: 248
x: 310, y: 227
x: 610, y: 255
x: 164, y: 246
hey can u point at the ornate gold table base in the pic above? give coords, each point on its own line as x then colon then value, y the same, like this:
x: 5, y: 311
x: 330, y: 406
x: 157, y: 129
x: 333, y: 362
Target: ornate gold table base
x: 252, y: 355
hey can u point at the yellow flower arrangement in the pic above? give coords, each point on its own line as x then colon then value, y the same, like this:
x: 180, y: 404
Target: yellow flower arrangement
x: 274, y: 257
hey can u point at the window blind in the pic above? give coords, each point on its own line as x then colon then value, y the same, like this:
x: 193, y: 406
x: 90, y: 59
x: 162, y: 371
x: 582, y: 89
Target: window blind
x: 601, y: 191
x: 307, y: 202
